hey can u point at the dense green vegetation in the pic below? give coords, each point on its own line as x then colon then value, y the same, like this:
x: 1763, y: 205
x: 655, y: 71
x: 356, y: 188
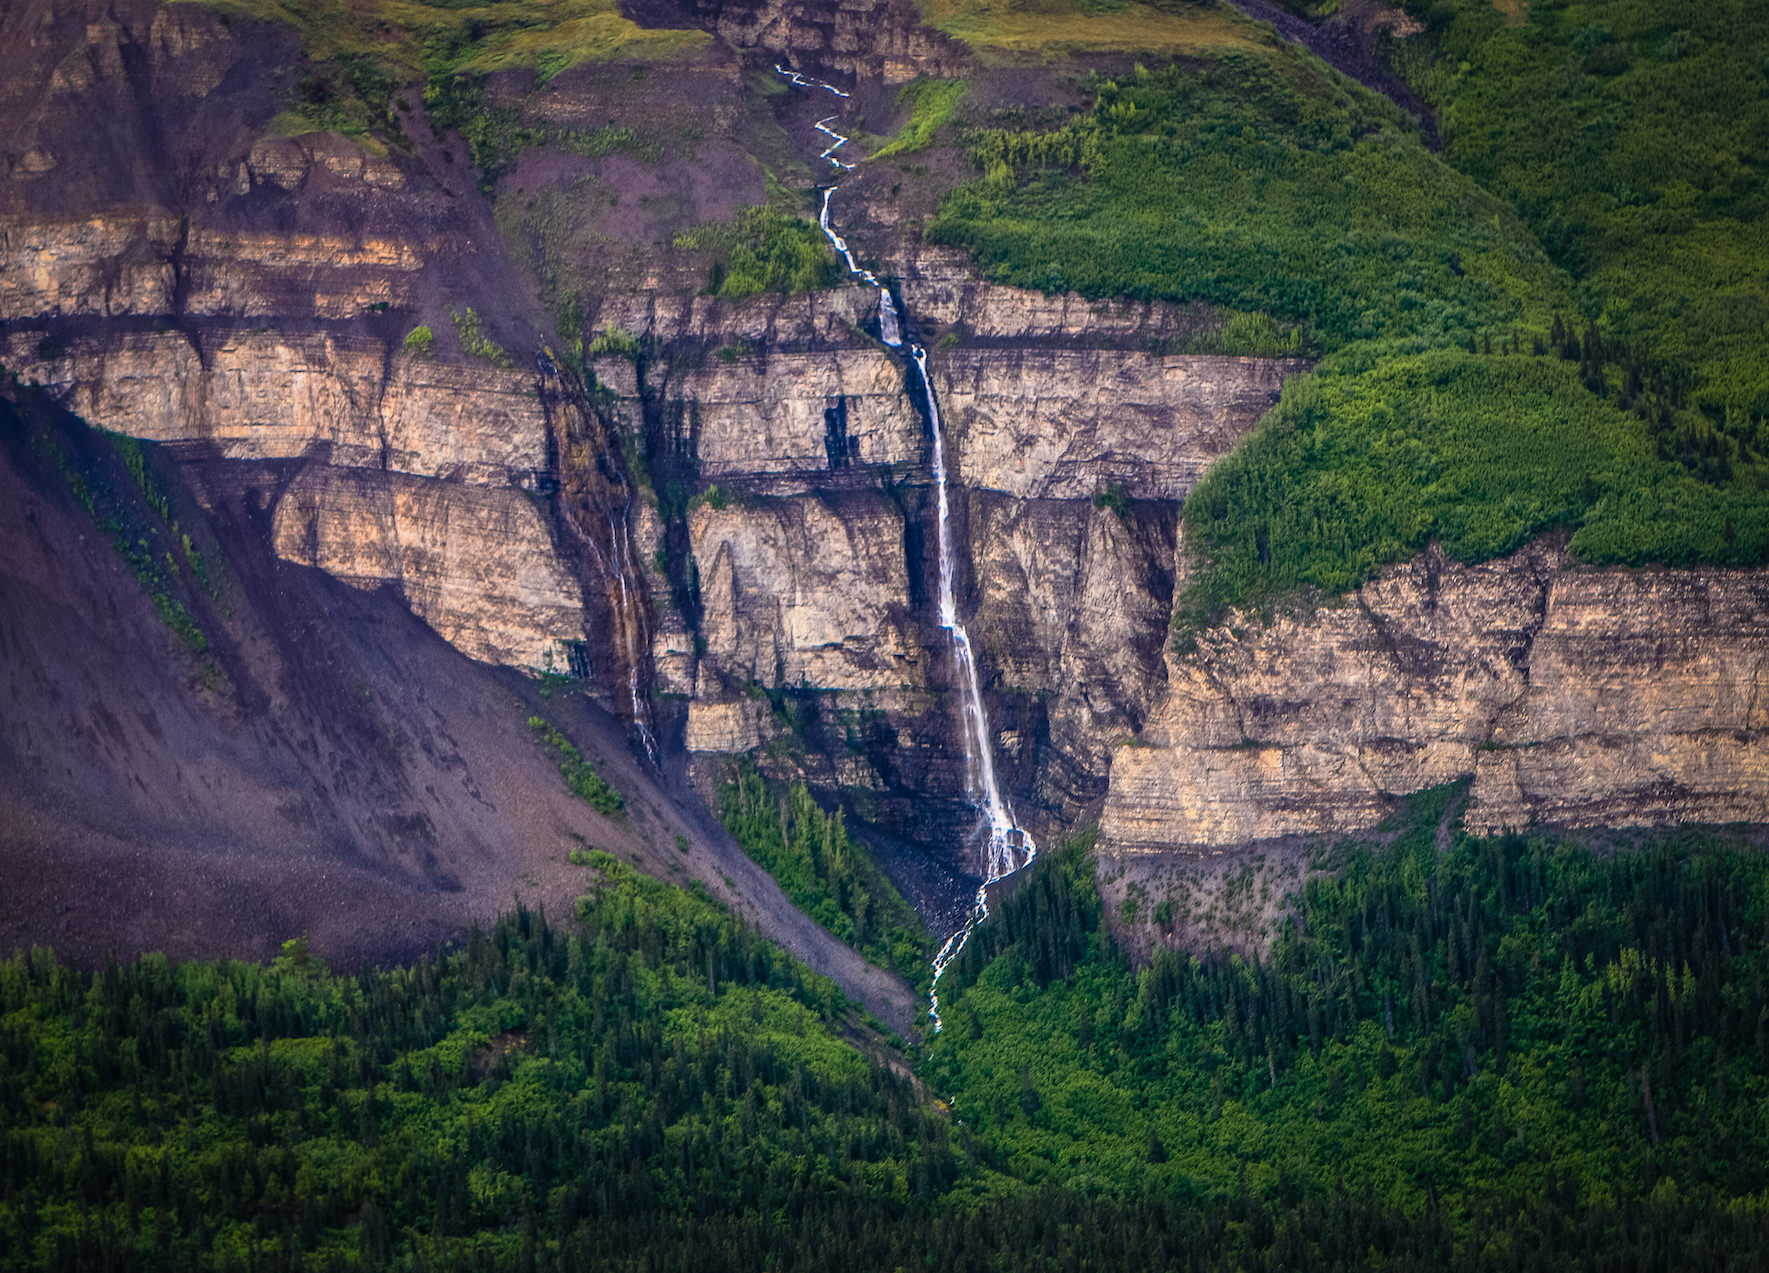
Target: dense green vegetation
x: 827, y: 875
x: 1244, y: 334
x: 764, y: 250
x: 931, y: 103
x: 1631, y: 135
x: 658, y: 1080
x: 615, y: 341
x: 1501, y: 1042
x: 1257, y: 187
x: 1351, y: 471
x: 1515, y: 1054
x: 1260, y: 185
x: 579, y: 774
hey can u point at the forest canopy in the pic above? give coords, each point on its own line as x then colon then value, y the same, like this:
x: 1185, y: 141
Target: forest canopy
x: 1515, y: 1054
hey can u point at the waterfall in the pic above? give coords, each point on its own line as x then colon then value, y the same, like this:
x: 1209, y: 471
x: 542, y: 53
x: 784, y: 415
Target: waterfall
x: 589, y: 486
x: 1009, y: 847
x: 634, y: 633
x: 889, y: 329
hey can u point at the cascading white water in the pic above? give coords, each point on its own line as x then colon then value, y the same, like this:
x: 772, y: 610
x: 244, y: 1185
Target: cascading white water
x: 890, y: 330
x: 1009, y: 847
x: 621, y: 543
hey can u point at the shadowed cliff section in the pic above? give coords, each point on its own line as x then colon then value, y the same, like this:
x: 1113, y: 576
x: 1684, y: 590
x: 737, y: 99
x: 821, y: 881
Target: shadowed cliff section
x: 207, y: 750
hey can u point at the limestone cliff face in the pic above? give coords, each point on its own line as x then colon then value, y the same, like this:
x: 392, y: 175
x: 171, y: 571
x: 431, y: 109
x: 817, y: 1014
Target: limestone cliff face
x: 475, y: 562
x: 809, y: 575
x: 1571, y: 696
x: 1069, y: 424
x: 151, y: 262
x: 941, y: 287
x: 266, y: 395
x: 419, y: 465
x: 675, y: 314
x: 807, y: 591
x: 1076, y: 462
x: 777, y: 421
x: 1072, y: 604
x: 814, y: 571
x: 186, y: 274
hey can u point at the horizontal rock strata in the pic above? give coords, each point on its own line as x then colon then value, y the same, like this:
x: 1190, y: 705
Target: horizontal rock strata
x: 267, y: 395
x: 476, y: 563
x: 1571, y: 696
x: 816, y: 570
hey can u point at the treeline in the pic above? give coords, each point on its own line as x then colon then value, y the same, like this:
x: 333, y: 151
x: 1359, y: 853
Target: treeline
x: 1651, y: 963
x: 652, y: 1073
x: 1049, y: 918
x: 829, y: 876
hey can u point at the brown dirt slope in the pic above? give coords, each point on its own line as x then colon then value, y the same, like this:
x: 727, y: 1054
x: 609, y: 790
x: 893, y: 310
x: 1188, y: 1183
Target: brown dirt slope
x: 326, y: 764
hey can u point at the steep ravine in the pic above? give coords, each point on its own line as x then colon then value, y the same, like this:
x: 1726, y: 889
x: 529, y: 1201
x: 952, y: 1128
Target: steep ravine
x: 1005, y: 846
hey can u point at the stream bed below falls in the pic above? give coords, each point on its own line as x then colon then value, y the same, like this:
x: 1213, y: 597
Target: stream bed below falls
x: 1008, y: 847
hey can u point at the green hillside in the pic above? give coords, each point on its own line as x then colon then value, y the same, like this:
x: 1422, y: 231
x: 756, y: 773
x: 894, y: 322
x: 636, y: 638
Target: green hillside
x: 1514, y: 1044
x: 1621, y: 403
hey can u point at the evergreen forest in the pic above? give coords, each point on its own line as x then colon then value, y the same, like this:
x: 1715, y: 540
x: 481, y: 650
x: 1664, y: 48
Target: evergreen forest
x: 1513, y: 1053
x: 827, y: 874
